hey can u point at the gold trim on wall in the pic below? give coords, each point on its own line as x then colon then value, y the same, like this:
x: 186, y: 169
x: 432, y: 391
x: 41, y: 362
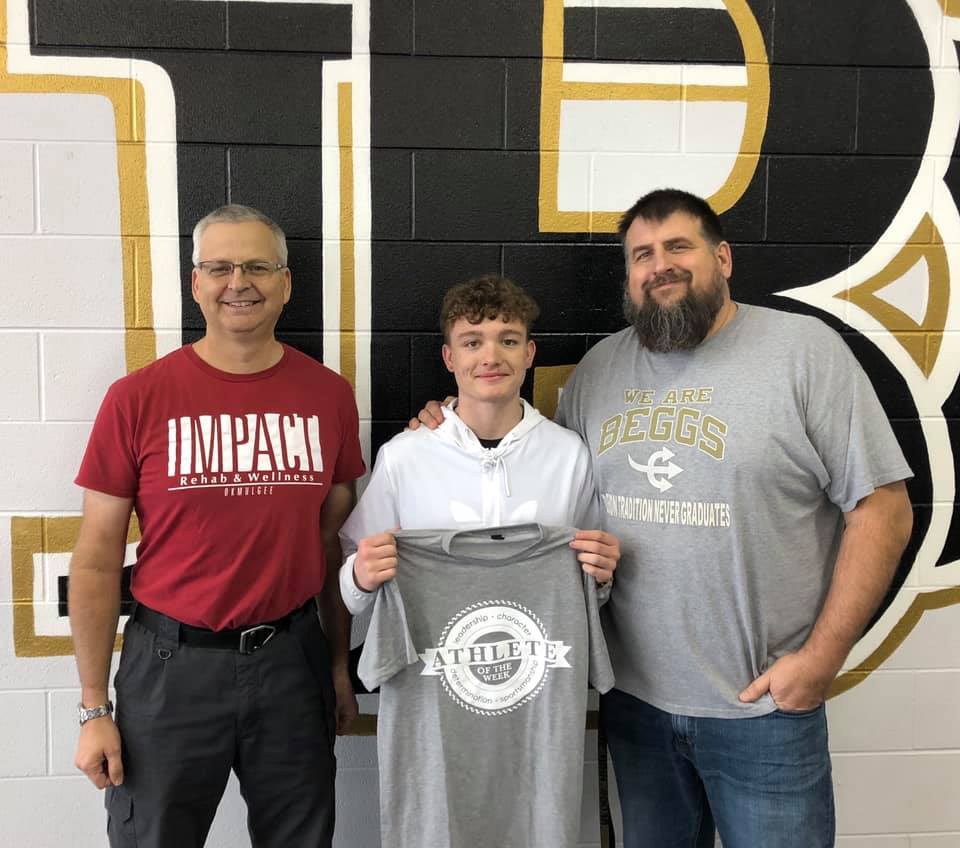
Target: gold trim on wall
x: 554, y: 90
x: 547, y: 382
x: 348, y: 285
x: 921, y: 341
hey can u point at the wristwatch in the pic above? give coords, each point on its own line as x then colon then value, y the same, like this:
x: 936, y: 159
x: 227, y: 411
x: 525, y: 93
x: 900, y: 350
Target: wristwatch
x: 86, y: 714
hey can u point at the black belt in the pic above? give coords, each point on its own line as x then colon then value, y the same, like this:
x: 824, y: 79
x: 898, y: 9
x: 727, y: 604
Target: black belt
x: 244, y: 640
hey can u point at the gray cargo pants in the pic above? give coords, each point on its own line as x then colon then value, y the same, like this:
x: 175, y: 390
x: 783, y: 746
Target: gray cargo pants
x: 188, y: 715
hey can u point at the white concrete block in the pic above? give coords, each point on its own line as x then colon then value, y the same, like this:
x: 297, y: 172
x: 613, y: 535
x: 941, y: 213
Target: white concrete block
x: 650, y: 126
x: 16, y: 187
x: 619, y: 179
x: 935, y: 840
x: 897, y: 793
x: 574, y: 172
x: 6, y: 553
x: 39, y: 464
x: 64, y: 730
x: 933, y: 643
x: 937, y: 713
x: 935, y: 577
x: 79, y: 191
x: 358, y: 809
x: 23, y: 739
x: 713, y: 127
x: 78, y: 368
x: 52, y: 811
x: 168, y: 341
x: 57, y: 117
x: 31, y: 672
x: 73, y: 282
x: 873, y: 841
x: 876, y: 715
x: 20, y: 377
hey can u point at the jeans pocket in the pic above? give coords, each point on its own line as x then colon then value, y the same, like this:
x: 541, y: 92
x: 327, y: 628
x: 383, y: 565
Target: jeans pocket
x: 799, y: 713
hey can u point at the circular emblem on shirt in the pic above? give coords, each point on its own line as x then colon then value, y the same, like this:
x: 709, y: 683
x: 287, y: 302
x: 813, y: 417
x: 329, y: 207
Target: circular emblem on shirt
x: 494, y: 656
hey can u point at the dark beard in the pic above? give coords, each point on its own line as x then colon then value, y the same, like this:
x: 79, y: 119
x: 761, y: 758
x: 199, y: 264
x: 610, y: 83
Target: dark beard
x: 664, y: 329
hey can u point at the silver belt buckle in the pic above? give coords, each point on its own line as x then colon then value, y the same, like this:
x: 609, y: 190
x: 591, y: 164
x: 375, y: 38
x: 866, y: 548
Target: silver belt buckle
x: 255, y: 638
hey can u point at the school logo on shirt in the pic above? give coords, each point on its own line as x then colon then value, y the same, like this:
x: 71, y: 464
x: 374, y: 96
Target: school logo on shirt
x: 655, y: 434
x: 494, y: 656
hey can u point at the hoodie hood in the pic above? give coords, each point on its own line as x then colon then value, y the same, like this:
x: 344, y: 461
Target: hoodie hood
x: 454, y: 430
x: 496, y: 476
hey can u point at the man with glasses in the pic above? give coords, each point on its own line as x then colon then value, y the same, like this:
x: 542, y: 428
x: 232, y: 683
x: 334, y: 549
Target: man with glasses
x: 239, y: 455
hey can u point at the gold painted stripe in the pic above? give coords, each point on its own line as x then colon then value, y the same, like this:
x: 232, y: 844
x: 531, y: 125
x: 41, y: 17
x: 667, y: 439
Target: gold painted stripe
x: 921, y: 341
x: 652, y: 91
x: 551, y: 84
x: 348, y: 288
x: 547, y: 382
x: 29, y: 537
x: 951, y: 8
x: 758, y: 104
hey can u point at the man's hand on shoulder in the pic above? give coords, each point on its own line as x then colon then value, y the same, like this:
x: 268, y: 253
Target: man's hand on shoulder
x: 376, y: 561
x: 598, y: 553
x: 98, y: 752
x: 430, y: 416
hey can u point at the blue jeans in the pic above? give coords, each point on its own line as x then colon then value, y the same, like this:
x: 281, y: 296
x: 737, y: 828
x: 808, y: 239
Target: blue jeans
x: 764, y: 781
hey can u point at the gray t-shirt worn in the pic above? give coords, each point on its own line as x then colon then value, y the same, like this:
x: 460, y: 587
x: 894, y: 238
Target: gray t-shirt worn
x: 483, y: 645
x: 725, y: 471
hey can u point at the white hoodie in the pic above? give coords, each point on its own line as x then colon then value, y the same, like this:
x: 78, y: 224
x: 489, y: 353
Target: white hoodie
x: 436, y: 479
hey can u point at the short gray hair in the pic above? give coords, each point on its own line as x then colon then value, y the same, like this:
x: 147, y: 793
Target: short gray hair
x: 235, y: 213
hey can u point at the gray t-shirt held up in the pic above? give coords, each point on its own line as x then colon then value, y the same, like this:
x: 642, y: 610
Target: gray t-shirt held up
x: 483, y: 645
x: 725, y: 471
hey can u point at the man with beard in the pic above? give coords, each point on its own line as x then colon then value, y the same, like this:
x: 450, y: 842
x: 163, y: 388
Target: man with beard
x: 747, y: 467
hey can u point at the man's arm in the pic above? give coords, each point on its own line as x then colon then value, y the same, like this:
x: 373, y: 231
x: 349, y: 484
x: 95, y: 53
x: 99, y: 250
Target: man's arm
x: 94, y: 603
x: 877, y: 530
x: 336, y: 621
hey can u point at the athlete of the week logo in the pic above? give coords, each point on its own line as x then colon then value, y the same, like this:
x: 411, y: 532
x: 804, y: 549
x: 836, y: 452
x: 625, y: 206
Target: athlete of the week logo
x: 244, y: 454
x: 493, y: 657
x: 677, y: 417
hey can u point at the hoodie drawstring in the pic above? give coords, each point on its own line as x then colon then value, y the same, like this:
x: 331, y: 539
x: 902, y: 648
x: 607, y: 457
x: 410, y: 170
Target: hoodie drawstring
x: 492, y: 464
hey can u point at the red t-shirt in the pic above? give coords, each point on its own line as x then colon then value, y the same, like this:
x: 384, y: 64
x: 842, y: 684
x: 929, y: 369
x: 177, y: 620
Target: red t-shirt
x: 228, y: 473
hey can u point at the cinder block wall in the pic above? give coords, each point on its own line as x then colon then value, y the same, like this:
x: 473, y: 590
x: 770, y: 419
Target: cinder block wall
x: 409, y: 144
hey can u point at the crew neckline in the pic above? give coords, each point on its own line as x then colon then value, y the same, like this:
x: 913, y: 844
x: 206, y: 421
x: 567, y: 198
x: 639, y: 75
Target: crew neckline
x: 229, y: 376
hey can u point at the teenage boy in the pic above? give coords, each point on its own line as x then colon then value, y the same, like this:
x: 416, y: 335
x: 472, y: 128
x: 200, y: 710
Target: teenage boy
x: 494, y: 460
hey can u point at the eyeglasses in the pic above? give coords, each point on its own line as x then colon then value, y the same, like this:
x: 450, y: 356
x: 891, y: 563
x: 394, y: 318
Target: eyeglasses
x: 257, y: 268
